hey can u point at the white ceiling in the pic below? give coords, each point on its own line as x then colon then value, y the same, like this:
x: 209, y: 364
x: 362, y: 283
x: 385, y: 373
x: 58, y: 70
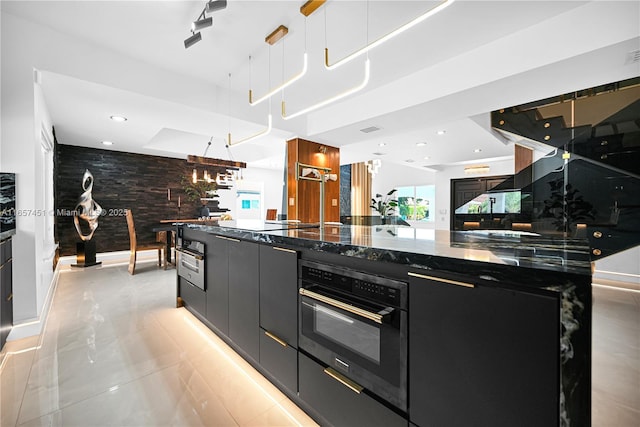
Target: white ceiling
x: 447, y: 73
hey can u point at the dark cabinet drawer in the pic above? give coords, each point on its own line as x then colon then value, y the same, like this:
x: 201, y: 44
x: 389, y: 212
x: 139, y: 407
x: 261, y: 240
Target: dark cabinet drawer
x: 338, y: 404
x: 280, y: 360
x: 193, y: 297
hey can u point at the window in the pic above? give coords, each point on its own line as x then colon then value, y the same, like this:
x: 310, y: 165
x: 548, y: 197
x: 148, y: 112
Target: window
x: 417, y: 203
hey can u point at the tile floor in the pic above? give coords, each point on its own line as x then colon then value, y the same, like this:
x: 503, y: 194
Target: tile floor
x: 616, y: 358
x: 115, y: 351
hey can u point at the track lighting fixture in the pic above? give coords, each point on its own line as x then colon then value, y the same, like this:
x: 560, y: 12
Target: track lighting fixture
x: 214, y: 5
x: 201, y: 23
x: 195, y: 38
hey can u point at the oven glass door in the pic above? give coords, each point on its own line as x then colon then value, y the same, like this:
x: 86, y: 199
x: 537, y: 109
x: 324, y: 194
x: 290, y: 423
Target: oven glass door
x: 353, y: 337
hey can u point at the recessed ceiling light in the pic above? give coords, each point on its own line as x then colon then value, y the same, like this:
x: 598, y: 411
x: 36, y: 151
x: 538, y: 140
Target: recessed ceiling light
x: 426, y: 157
x: 382, y: 144
x: 118, y: 118
x: 441, y: 132
x: 477, y: 150
x: 107, y: 143
x: 421, y: 144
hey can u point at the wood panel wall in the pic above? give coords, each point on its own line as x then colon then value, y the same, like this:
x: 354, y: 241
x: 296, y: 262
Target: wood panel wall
x: 121, y: 181
x: 523, y: 159
x: 303, y: 197
x: 360, y: 189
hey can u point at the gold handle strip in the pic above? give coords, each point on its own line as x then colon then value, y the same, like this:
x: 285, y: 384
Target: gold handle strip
x: 10, y: 297
x: 228, y: 238
x: 357, y: 388
x: 439, y: 279
x: 275, y: 338
x: 341, y: 305
x: 285, y: 250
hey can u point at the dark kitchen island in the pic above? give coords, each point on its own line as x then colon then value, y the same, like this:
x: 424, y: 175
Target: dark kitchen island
x: 498, y: 330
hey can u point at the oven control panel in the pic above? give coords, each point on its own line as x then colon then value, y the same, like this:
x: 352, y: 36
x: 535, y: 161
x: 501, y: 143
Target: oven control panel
x: 374, y: 288
x: 376, y: 292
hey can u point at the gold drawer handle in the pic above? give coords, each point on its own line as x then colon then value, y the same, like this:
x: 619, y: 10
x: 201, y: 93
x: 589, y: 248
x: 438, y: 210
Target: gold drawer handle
x: 285, y: 250
x: 276, y: 339
x: 10, y: 297
x: 227, y: 238
x: 352, y: 385
x: 438, y: 279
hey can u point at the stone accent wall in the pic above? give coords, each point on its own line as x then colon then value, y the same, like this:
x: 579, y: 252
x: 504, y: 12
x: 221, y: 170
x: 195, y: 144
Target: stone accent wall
x: 121, y: 181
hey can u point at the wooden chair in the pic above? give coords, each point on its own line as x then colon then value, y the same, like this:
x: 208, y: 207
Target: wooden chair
x: 271, y: 214
x: 134, y: 247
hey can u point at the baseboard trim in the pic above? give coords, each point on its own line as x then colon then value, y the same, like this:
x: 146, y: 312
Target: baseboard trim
x: 615, y: 279
x: 35, y: 326
x: 119, y: 256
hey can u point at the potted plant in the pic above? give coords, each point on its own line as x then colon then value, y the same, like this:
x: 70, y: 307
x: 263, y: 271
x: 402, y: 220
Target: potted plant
x: 385, y: 205
x: 201, y: 191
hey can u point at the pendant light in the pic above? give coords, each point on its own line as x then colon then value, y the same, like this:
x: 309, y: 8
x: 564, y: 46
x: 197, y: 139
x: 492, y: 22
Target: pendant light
x: 443, y: 5
x: 348, y: 92
x: 263, y: 132
x: 272, y: 39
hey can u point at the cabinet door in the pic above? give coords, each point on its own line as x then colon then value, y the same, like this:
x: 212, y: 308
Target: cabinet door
x: 244, y: 305
x: 482, y: 356
x: 217, y: 275
x: 279, y: 293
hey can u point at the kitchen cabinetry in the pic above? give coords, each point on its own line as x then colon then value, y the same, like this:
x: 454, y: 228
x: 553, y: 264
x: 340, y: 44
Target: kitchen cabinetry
x: 244, y: 304
x: 279, y: 292
x: 279, y: 314
x: 218, y: 282
x: 338, y: 404
x: 6, y: 290
x: 482, y: 355
x: 192, y: 297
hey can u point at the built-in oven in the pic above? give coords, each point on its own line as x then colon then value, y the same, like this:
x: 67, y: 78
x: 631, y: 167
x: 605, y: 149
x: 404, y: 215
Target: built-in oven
x: 356, y: 323
x: 190, y: 261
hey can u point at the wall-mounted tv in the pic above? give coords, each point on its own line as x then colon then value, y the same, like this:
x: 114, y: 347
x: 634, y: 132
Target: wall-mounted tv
x: 7, y: 205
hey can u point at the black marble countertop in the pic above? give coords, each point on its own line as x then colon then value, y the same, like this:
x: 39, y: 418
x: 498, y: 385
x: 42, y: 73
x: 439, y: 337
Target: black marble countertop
x: 418, y: 247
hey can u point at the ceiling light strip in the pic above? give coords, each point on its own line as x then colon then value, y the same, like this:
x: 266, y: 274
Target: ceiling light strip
x: 365, y: 81
x: 385, y: 38
x: 282, y: 86
x: 252, y: 137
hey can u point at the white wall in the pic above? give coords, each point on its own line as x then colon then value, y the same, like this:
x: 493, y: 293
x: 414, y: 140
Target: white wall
x: 271, y: 181
x: 43, y: 174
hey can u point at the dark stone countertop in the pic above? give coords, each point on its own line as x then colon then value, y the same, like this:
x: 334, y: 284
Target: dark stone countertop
x: 422, y: 248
